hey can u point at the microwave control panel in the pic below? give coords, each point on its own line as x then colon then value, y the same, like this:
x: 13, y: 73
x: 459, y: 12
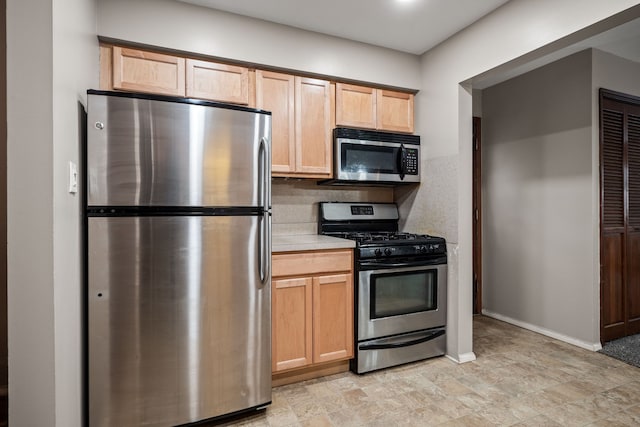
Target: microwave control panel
x: 411, y: 161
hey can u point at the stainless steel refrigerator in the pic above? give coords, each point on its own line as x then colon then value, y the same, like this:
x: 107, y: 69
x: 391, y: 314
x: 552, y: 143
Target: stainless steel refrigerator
x: 178, y: 259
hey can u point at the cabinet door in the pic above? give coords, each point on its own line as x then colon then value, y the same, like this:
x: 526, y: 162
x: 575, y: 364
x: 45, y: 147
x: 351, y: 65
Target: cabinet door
x: 313, y: 127
x: 141, y: 71
x: 292, y: 322
x: 217, y: 82
x: 332, y: 317
x: 355, y: 106
x: 394, y: 111
x: 275, y: 93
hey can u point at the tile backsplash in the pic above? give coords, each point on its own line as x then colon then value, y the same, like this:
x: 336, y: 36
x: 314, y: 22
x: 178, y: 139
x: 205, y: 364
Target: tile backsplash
x: 295, y: 202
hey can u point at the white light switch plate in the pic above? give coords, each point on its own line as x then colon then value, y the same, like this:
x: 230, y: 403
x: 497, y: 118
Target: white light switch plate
x: 73, y: 178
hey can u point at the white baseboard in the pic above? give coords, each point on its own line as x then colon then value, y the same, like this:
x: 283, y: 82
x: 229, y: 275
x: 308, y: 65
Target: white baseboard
x: 462, y: 358
x: 547, y: 332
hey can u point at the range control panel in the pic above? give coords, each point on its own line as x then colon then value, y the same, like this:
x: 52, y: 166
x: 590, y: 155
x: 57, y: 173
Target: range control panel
x: 402, y: 250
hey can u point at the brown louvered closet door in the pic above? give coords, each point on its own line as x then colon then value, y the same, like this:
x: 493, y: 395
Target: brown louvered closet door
x: 620, y: 215
x: 633, y: 222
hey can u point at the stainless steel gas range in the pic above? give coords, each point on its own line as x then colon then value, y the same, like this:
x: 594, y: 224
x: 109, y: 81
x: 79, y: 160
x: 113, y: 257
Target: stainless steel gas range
x: 400, y: 285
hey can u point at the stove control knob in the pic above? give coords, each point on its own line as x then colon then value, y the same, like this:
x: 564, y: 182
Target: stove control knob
x: 387, y: 251
x: 377, y: 252
x: 423, y: 249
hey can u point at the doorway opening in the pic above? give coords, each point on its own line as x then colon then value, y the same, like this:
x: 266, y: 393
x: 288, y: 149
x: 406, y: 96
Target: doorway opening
x: 4, y: 366
x: 477, y: 216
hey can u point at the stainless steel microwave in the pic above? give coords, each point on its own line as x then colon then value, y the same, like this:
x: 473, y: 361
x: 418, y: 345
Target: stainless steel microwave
x: 365, y: 157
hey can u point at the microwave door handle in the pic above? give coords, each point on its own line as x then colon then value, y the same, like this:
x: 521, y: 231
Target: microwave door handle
x: 402, y: 161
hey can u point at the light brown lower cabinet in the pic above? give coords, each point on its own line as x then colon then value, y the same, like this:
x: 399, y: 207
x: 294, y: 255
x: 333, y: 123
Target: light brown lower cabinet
x: 312, y: 309
x: 292, y: 323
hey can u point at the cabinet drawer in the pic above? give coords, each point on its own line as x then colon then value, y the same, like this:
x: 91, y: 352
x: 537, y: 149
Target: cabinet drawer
x: 320, y: 262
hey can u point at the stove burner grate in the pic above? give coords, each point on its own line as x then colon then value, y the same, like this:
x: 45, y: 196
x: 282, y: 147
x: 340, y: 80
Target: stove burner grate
x: 380, y: 236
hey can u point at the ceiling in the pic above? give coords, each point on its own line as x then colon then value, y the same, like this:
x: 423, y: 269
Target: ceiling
x: 412, y: 26
x: 623, y: 41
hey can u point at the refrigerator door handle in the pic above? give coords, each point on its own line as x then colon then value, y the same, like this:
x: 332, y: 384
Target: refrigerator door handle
x: 265, y: 223
x: 265, y: 243
x: 264, y: 175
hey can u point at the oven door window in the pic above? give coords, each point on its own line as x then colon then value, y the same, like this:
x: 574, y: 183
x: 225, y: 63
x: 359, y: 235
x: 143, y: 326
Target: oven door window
x: 396, y: 294
x: 369, y: 159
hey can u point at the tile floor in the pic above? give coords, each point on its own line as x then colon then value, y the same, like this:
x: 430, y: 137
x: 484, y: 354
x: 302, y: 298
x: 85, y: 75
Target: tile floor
x: 520, y: 378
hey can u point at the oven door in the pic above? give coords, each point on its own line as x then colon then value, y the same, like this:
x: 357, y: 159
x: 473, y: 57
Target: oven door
x: 400, y: 300
x: 376, y: 161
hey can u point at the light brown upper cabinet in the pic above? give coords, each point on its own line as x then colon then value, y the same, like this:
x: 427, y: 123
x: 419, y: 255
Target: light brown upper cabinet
x: 142, y: 71
x: 139, y: 70
x: 395, y: 111
x: 365, y: 107
x: 355, y: 106
x: 304, y: 110
x: 275, y: 92
x: 301, y: 123
x: 218, y: 82
x: 313, y: 127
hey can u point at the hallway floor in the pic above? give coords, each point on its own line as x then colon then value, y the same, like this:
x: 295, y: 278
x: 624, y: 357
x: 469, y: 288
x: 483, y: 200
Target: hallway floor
x: 520, y: 378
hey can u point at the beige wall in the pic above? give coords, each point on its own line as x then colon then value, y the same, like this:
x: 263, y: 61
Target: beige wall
x: 191, y: 28
x: 52, y: 60
x: 30, y: 212
x: 547, y: 181
x: 614, y: 73
x: 537, y: 200
x: 75, y: 69
x: 518, y: 32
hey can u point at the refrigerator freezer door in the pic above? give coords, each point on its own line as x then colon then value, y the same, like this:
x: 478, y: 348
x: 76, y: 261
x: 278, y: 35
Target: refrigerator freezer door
x: 179, y: 319
x: 146, y: 152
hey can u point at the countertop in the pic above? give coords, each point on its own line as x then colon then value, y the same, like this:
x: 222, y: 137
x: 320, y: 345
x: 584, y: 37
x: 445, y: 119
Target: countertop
x: 308, y: 242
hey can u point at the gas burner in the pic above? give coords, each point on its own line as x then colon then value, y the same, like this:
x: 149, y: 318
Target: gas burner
x: 379, y: 235
x: 404, y: 236
x: 397, y: 236
x: 383, y: 237
x: 376, y: 232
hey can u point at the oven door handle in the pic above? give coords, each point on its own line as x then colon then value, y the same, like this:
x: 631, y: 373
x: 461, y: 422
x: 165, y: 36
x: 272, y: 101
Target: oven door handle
x: 381, y: 344
x: 372, y: 265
